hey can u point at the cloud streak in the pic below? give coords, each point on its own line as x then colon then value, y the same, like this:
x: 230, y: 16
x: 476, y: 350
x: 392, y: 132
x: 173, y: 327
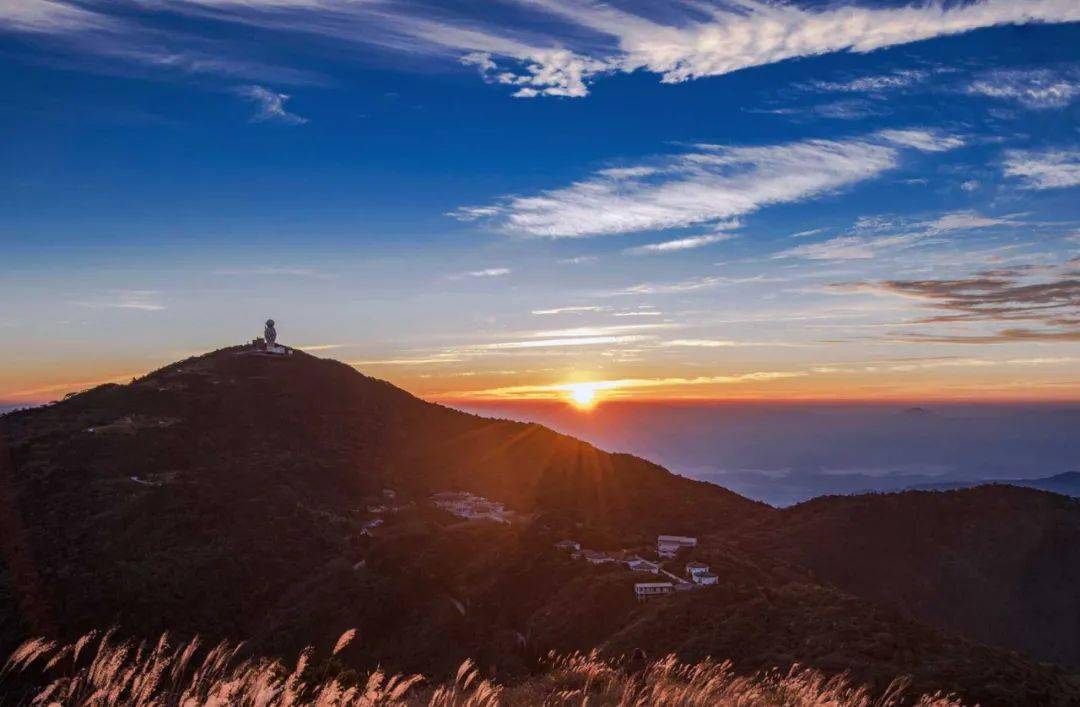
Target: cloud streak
x: 992, y: 295
x: 679, y: 244
x: 719, y: 39
x: 574, y: 309
x: 879, y: 83
x: 559, y: 390
x: 1037, y: 89
x: 586, y: 40
x: 484, y: 273
x: 1046, y: 169
x: 1047, y: 295
x: 269, y: 106
x: 48, y: 16
x: 708, y: 185
x: 871, y: 236
x: 142, y: 300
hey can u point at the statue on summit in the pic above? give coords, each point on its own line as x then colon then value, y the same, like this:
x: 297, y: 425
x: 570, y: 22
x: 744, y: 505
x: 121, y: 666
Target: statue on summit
x: 270, y: 334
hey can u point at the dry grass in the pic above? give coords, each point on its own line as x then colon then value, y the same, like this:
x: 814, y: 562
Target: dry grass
x: 581, y: 679
x: 100, y: 671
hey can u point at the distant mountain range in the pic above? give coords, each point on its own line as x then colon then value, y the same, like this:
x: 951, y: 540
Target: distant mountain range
x: 1067, y: 484
x: 786, y: 453
x: 285, y: 499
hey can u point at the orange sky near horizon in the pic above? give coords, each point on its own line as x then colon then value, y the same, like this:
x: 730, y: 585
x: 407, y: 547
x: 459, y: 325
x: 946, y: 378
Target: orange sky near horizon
x: 1012, y: 378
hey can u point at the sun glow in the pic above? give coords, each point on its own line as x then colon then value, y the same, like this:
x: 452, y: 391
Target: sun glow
x: 582, y: 395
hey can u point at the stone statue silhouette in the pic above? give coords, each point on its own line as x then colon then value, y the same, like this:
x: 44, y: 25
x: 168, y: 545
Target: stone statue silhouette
x: 270, y: 334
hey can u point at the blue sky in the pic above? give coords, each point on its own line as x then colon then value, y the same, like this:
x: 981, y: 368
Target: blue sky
x: 488, y: 200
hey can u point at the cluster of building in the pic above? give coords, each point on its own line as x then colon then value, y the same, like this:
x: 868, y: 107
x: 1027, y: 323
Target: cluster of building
x: 460, y: 503
x: 596, y: 557
x: 697, y: 575
x: 467, y: 505
x: 667, y: 546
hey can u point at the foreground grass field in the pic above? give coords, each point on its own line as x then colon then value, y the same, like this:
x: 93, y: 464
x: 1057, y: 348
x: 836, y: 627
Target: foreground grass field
x: 101, y: 671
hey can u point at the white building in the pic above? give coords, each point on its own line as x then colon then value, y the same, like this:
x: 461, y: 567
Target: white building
x: 647, y: 590
x: 570, y: 545
x: 695, y: 568
x: 637, y: 564
x: 596, y: 557
x: 669, y: 545
x: 705, y: 578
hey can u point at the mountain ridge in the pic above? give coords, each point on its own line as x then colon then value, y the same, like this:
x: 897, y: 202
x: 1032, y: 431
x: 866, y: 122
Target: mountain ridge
x: 1066, y: 483
x: 236, y: 496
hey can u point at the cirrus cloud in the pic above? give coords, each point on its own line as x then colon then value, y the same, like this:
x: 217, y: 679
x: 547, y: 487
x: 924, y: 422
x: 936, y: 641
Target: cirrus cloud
x: 707, y: 185
x: 1045, y: 169
x: 581, y: 40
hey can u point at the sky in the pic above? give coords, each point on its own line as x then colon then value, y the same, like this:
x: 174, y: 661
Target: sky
x: 548, y: 199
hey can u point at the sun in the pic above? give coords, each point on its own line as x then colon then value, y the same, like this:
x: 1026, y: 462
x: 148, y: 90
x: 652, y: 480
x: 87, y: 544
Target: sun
x: 583, y: 395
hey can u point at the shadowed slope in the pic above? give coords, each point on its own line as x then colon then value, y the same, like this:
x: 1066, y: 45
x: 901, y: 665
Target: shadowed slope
x: 1000, y: 563
x: 195, y: 497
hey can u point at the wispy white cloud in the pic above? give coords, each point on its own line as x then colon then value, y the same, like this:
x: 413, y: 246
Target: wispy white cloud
x: 923, y: 140
x: 877, y: 83
x: 709, y: 184
x: 1047, y: 169
x: 747, y: 34
x: 575, y: 309
x: 690, y: 285
x: 964, y: 220
x: 722, y: 344
x: 872, y: 236
x: 143, y: 300
x: 557, y: 342
x: 473, y: 213
x: 1037, y: 89
x: 587, y: 40
x: 593, y: 331
x: 848, y: 109
x: 49, y: 16
x: 550, y: 72
x: 850, y: 247
x: 273, y: 272
x: 807, y: 233
x: 668, y: 288
x: 680, y: 244
x: 486, y: 272
x: 269, y: 105
x: 638, y: 313
x: 556, y: 390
